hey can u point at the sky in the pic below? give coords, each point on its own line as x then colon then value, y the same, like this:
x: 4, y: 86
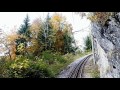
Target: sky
x: 10, y: 19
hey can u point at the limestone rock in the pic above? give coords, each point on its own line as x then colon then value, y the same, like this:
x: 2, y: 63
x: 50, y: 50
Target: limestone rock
x: 106, y: 43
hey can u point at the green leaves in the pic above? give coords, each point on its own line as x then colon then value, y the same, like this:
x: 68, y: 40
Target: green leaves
x: 88, y: 43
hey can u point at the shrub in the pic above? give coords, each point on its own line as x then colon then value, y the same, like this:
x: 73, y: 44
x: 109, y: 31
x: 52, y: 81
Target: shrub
x: 60, y: 58
x: 69, y: 56
x: 46, y: 66
x: 39, y: 69
x: 4, y: 64
x: 52, y: 58
x: 25, y: 68
x: 48, y: 57
x: 18, y: 68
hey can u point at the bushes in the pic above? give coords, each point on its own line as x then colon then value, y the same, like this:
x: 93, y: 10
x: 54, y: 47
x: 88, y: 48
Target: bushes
x: 25, y: 68
x: 18, y: 68
x: 60, y: 58
x: 3, y: 67
x: 48, y: 57
x: 52, y: 58
x: 42, y: 67
x: 48, y: 65
x: 30, y: 67
x: 39, y: 69
x: 69, y: 56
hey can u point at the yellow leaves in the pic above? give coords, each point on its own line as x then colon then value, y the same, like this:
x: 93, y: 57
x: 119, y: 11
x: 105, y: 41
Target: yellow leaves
x: 59, y: 43
x: 100, y: 17
x: 12, y: 37
x: 20, y: 65
x: 12, y: 46
x: 68, y: 28
x: 13, y: 52
x: 93, y: 18
x: 57, y: 20
x: 57, y: 17
x: 35, y: 27
x: 21, y: 47
x: 34, y: 46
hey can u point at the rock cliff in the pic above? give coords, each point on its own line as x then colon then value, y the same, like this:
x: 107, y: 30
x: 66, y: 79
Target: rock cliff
x: 106, y: 43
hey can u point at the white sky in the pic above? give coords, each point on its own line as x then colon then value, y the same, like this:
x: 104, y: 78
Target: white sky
x: 10, y: 19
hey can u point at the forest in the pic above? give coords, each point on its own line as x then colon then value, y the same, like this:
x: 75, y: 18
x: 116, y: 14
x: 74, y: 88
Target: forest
x: 40, y: 49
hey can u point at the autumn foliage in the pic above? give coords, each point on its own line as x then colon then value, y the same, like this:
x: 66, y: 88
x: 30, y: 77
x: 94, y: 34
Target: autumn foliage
x: 53, y: 33
x: 98, y: 17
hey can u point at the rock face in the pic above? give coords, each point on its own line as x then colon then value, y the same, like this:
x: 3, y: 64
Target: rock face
x: 106, y: 43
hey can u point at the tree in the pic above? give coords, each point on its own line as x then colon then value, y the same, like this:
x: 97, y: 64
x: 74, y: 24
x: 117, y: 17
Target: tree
x: 58, y: 21
x: 24, y: 29
x: 63, y: 34
x: 69, y: 43
x: 34, y: 45
x: 24, y: 33
x: 59, y: 43
x: 88, y: 43
x: 46, y: 34
x: 8, y: 40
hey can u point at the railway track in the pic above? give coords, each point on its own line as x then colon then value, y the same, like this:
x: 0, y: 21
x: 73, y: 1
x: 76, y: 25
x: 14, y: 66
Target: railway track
x: 77, y: 71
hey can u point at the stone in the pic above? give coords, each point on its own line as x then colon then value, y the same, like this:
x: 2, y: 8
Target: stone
x: 106, y: 48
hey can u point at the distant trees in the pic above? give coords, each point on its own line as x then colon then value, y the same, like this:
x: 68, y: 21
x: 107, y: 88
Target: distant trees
x: 38, y: 49
x: 63, y: 37
x: 54, y: 33
x: 88, y: 43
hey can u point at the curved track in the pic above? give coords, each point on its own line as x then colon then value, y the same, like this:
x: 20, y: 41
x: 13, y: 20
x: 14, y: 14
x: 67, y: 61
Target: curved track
x: 77, y: 71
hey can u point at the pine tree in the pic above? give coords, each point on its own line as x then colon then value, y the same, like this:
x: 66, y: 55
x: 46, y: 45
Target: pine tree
x: 69, y: 43
x: 24, y: 33
x: 46, y: 34
x: 88, y: 43
x: 24, y: 29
